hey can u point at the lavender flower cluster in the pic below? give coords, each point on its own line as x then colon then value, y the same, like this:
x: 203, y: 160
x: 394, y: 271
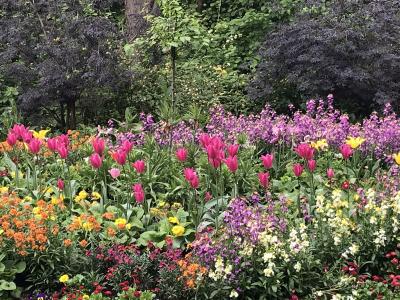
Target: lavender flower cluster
x: 320, y: 121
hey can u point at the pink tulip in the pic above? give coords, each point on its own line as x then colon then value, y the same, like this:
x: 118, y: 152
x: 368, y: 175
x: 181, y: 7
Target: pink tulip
x: 34, y: 146
x: 11, y: 139
x: 52, y: 144
x: 138, y: 192
x: 204, y: 140
x: 189, y: 173
x: 233, y: 150
x: 312, y: 164
x: 18, y: 130
x: 63, y: 151
x: 305, y: 151
x: 267, y: 160
x: 60, y: 184
x: 207, y: 196
x: 95, y: 160
x: 215, y: 154
x: 119, y: 156
x: 98, y: 145
x: 64, y: 140
x: 114, y: 172
x: 27, y: 136
x: 191, y: 177
x: 127, y: 146
x: 346, y: 151
x: 181, y: 154
x: 232, y: 163
x: 329, y: 173
x: 139, y: 166
x: 298, y: 169
x: 263, y: 178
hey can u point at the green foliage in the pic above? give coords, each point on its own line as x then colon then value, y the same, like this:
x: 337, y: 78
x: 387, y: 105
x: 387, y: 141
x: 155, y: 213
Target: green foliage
x: 9, y: 268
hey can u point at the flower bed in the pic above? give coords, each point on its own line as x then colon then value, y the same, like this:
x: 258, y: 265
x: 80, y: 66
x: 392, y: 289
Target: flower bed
x: 257, y: 207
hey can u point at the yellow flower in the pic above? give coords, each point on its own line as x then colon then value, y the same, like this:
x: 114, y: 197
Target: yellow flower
x: 397, y: 158
x: 49, y: 190
x: 85, y: 297
x: 173, y: 220
x: 36, y: 210
x: 87, y: 226
x: 176, y: 205
x: 54, y: 200
x: 128, y: 226
x: 96, y: 196
x: 3, y: 189
x: 161, y: 204
x: 354, y: 142
x: 320, y: 144
x: 120, y: 223
x: 41, y: 134
x: 82, y: 194
x: 28, y: 198
x: 64, y: 278
x: 178, y: 230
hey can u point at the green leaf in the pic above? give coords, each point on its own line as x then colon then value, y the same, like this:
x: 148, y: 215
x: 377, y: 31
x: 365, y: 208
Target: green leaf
x: 7, y: 286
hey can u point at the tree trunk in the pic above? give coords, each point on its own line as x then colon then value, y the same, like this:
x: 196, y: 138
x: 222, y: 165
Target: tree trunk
x: 62, y: 116
x: 71, y: 115
x: 200, y: 5
x: 135, y: 11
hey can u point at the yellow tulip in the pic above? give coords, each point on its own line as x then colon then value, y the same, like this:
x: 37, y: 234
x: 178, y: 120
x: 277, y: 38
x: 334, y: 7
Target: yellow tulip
x: 354, y: 142
x: 397, y: 158
x: 41, y: 134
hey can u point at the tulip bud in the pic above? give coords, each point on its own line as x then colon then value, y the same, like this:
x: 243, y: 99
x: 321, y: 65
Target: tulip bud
x: 267, y: 160
x: 298, y: 169
x: 181, y: 154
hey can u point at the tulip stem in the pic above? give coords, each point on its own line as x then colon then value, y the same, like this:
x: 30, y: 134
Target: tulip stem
x: 298, y: 198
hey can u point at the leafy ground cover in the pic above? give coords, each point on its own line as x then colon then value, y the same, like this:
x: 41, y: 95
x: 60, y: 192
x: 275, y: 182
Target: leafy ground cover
x: 266, y: 206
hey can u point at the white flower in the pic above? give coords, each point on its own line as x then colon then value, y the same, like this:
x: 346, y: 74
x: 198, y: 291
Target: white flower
x: 354, y: 249
x: 233, y: 294
x: 268, y: 272
x: 297, y: 267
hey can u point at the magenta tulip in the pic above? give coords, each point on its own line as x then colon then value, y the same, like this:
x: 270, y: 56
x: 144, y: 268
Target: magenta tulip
x: 63, y: 151
x: 267, y: 160
x: 34, y: 145
x: 95, y: 160
x: 346, y: 151
x: 11, y: 139
x: 232, y: 163
x: 298, y: 169
x: 204, y: 140
x: 119, y: 156
x: 329, y: 173
x: 139, y: 166
x: 138, y: 192
x: 181, y: 154
x: 233, y: 150
x: 127, y: 146
x: 52, y: 144
x: 98, y: 145
x: 60, y: 184
x: 312, y: 164
x: 263, y: 178
x: 305, y: 151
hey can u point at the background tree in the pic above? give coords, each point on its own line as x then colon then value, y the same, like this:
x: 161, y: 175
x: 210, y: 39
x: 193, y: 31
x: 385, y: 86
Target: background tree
x: 348, y: 48
x: 60, y: 54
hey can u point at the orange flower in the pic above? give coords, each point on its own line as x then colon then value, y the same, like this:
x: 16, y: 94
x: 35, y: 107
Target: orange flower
x: 67, y: 242
x: 83, y: 243
x: 108, y: 215
x: 111, y: 232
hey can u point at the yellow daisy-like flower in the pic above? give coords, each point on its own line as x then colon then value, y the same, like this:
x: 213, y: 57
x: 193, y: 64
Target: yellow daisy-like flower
x: 120, y: 223
x: 173, y: 220
x: 96, y: 196
x: 178, y: 230
x: 396, y: 158
x: 320, y: 144
x: 354, y: 143
x: 41, y: 134
x: 64, y: 278
x: 3, y: 189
